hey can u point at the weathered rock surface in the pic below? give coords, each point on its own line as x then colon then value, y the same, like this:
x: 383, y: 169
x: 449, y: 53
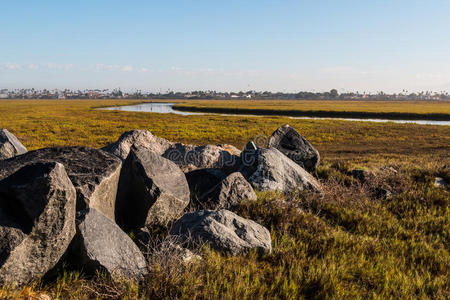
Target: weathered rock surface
x: 228, y: 194
x: 296, y: 147
x: 10, y: 146
x: 249, y: 159
x: 201, y: 181
x: 94, y: 173
x: 191, y: 157
x: 139, y: 139
x: 37, y: 213
x: 100, y: 245
x: 276, y: 172
x: 152, y: 190
x: 224, y: 231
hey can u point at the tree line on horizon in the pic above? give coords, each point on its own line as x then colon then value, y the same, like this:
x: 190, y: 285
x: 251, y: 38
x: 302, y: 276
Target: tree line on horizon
x: 257, y: 95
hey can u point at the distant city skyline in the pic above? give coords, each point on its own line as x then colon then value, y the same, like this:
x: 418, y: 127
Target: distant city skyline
x: 286, y: 46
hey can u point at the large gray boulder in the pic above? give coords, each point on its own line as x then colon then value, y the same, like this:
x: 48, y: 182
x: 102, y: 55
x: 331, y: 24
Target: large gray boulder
x: 192, y: 157
x: 276, y: 172
x: 37, y: 213
x: 228, y: 194
x: 139, y: 139
x: 152, y: 190
x: 100, y: 245
x: 94, y: 173
x: 296, y: 147
x: 223, y: 230
x: 200, y: 181
x: 10, y: 146
x: 249, y: 159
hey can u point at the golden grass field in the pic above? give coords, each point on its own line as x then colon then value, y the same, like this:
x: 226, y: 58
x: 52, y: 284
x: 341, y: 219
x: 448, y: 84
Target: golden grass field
x: 359, y: 109
x: 330, y: 105
x: 348, y: 244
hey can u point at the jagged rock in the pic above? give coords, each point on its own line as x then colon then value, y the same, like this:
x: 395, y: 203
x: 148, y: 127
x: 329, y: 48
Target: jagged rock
x: 231, y: 149
x: 296, y: 147
x: 100, y: 245
x: 152, y: 190
x: 139, y: 139
x: 94, y: 173
x: 249, y: 159
x: 228, y: 194
x: 37, y: 213
x: 223, y: 230
x: 201, y: 181
x: 10, y: 146
x: 191, y: 157
x: 362, y: 175
x: 276, y: 172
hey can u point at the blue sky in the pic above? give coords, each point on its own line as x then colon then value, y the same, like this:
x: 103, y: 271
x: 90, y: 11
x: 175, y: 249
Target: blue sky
x: 226, y: 45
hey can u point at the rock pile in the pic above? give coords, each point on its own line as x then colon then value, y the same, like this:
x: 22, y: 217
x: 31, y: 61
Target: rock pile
x: 74, y: 204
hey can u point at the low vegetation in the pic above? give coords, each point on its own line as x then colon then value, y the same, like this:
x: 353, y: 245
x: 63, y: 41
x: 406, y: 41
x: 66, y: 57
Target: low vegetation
x: 351, y: 242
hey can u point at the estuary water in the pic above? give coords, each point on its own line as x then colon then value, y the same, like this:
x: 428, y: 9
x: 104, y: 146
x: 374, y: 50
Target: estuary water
x: 166, y: 108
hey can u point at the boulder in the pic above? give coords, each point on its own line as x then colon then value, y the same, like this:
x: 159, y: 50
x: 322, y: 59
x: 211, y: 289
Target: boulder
x: 296, y: 147
x: 94, y: 173
x: 222, y: 230
x: 100, y: 245
x: 228, y: 194
x: 201, y: 181
x: 139, y: 139
x: 249, y: 159
x: 191, y: 157
x: 152, y: 190
x: 276, y: 172
x: 10, y: 146
x: 37, y: 213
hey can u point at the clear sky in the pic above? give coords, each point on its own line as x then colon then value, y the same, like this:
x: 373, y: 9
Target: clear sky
x: 282, y: 45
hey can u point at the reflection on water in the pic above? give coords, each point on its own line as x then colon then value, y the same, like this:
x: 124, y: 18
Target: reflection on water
x: 166, y: 108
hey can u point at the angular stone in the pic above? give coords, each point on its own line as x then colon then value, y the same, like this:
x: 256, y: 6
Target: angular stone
x: 249, y: 159
x: 296, y: 147
x: 191, y: 157
x: 223, y: 231
x: 10, y: 146
x: 201, y: 181
x: 228, y: 194
x: 152, y: 190
x: 276, y: 172
x: 100, y: 245
x: 139, y: 139
x: 94, y: 173
x: 37, y: 213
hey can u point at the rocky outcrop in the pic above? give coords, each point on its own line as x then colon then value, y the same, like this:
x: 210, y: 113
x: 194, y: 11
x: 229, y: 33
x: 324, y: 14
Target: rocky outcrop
x: 37, y: 213
x: 100, y: 245
x: 152, y: 190
x: 222, y: 230
x: 276, y: 172
x: 249, y: 159
x: 191, y: 157
x: 10, y: 146
x: 94, y: 173
x: 289, y: 142
x: 228, y: 194
x: 139, y: 139
x: 200, y: 181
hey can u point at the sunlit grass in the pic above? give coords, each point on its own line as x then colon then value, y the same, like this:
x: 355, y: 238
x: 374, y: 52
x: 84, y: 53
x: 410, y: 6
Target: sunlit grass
x: 345, y: 244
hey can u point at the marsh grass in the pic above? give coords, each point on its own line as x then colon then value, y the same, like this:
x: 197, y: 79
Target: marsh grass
x: 344, y: 244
